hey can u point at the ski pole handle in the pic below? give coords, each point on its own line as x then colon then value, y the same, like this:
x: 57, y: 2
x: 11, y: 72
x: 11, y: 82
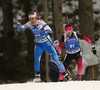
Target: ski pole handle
x: 19, y: 18
x: 39, y: 17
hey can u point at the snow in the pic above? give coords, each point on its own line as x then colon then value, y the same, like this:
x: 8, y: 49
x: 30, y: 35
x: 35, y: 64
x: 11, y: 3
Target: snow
x: 71, y: 85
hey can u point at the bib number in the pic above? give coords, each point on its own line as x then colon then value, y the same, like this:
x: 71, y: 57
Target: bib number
x: 72, y: 45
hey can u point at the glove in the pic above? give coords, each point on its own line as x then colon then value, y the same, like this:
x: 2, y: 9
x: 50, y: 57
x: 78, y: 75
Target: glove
x: 60, y: 57
x: 40, y: 27
x: 94, y: 51
x: 19, y: 17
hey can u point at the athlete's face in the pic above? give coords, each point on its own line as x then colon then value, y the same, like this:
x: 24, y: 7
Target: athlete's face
x: 68, y: 34
x: 33, y: 20
x: 56, y: 47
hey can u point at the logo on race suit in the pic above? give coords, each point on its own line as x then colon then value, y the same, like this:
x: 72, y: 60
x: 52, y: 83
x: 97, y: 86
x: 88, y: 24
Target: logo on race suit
x: 35, y: 31
x: 25, y: 25
x: 68, y: 30
x: 73, y: 39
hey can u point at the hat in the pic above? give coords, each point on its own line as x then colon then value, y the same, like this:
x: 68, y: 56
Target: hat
x: 32, y: 14
x: 56, y: 42
x: 68, y: 28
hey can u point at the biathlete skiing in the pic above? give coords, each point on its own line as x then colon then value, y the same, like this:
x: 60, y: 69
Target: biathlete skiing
x: 54, y: 74
x: 41, y: 32
x: 73, y: 50
x: 53, y: 68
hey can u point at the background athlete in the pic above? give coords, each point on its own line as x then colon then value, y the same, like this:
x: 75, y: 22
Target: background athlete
x: 73, y: 50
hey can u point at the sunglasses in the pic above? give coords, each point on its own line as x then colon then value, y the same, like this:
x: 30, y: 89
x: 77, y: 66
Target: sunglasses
x: 30, y: 13
x: 56, y: 42
x: 69, y: 32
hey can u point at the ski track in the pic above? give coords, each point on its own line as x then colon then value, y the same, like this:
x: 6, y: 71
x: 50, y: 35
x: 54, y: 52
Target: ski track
x: 71, y: 85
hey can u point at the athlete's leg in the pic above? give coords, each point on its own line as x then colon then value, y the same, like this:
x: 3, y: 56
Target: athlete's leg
x: 37, y: 55
x: 53, y: 54
x: 53, y: 72
x: 79, y: 63
x: 67, y: 60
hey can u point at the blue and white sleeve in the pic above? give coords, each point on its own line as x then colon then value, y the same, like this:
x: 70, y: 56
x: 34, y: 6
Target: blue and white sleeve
x: 46, y: 27
x: 23, y: 27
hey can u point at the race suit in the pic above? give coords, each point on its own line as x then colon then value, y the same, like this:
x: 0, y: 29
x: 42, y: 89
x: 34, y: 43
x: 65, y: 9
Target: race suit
x: 73, y: 49
x: 42, y: 43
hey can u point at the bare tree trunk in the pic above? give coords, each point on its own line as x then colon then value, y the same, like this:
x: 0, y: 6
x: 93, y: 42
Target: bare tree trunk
x: 27, y: 9
x: 8, y: 29
x: 87, y: 28
x: 9, y: 49
x: 45, y: 9
x: 57, y: 4
x: 29, y: 46
x: 86, y: 18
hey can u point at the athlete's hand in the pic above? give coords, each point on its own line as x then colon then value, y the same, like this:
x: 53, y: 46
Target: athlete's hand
x: 40, y: 27
x: 94, y: 51
x: 60, y: 57
x: 19, y: 17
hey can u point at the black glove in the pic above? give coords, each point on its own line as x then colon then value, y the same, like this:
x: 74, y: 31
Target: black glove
x: 60, y: 57
x: 19, y: 18
x: 94, y: 51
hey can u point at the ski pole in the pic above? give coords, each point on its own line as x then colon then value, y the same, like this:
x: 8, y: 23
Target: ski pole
x: 70, y: 72
x: 98, y: 57
x: 67, y: 14
x: 39, y: 17
x: 36, y: 11
x: 23, y: 49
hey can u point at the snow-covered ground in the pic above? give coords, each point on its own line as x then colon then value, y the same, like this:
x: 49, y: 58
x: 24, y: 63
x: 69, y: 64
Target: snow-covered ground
x: 72, y: 85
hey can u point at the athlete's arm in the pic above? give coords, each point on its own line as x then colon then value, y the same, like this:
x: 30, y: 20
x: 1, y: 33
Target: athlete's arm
x: 60, y: 44
x: 23, y: 27
x: 46, y: 27
x: 85, y: 38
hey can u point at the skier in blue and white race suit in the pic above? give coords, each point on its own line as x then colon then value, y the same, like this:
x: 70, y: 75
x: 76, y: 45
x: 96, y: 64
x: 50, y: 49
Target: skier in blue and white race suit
x: 41, y: 32
x: 53, y: 68
x: 54, y: 74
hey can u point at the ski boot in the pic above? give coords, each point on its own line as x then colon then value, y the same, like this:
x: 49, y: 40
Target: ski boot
x: 79, y: 77
x: 37, y: 78
x: 67, y: 77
